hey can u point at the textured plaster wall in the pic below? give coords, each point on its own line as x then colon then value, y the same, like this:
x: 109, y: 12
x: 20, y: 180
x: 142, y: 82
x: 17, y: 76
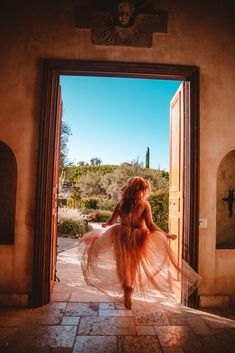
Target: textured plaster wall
x: 200, y: 33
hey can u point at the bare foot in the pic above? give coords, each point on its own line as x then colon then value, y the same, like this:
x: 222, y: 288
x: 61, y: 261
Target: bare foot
x: 127, y: 297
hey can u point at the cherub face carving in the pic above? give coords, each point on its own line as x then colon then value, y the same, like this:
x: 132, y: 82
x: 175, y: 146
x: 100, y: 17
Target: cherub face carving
x: 125, y: 12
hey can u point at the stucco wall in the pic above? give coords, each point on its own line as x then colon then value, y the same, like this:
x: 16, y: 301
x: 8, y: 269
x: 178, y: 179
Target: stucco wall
x: 200, y: 33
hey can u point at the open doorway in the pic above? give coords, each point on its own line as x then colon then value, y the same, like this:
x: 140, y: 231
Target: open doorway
x: 189, y: 152
x: 112, y: 129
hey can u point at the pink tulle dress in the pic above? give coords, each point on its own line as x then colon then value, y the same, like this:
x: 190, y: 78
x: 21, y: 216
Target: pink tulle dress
x: 134, y: 254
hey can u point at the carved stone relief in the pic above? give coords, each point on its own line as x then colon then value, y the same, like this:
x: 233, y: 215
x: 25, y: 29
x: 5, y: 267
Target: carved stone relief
x: 124, y: 22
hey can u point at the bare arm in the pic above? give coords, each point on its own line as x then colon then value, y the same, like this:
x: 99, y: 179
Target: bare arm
x: 150, y: 223
x: 113, y: 218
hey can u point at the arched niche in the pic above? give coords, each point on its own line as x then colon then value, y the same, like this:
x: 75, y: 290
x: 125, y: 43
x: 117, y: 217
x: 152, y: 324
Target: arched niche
x: 8, y: 180
x: 225, y: 199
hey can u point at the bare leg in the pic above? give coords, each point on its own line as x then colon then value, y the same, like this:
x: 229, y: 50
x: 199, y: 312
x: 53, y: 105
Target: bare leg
x: 126, y: 270
x: 127, y: 297
x: 130, y: 274
x: 124, y: 276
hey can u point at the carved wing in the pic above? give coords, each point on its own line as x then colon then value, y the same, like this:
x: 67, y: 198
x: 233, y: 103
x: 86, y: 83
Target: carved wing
x: 102, y: 28
x: 149, y: 23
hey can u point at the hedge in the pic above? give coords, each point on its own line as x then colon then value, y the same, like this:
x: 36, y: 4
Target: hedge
x: 68, y: 227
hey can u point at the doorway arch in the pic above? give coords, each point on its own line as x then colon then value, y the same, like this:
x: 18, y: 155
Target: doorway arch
x: 48, y: 151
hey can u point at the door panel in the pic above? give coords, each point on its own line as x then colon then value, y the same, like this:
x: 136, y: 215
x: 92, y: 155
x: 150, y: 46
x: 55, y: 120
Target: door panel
x: 176, y: 205
x: 56, y: 163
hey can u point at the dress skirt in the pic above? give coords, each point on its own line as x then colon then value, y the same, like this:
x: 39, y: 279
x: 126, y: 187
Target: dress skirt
x: 138, y: 258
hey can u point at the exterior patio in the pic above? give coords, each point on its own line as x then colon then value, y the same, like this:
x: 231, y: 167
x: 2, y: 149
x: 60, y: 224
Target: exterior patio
x: 83, y: 320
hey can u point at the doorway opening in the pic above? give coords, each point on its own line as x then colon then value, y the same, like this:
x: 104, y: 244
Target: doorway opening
x: 112, y: 129
x: 183, y: 148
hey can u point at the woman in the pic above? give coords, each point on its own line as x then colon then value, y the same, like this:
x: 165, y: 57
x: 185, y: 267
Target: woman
x: 134, y: 254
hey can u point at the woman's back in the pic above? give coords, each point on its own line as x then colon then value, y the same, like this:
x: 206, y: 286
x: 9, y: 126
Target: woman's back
x: 135, y: 217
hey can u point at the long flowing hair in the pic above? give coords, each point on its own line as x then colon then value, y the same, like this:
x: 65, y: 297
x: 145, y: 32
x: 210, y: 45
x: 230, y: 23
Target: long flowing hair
x: 134, y: 189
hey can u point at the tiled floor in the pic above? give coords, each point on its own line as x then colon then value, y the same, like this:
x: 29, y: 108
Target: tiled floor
x: 69, y: 327
x: 80, y: 320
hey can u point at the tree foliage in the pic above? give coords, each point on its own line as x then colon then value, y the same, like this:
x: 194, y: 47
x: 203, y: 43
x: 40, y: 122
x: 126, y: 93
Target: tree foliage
x: 159, y: 201
x: 106, y: 183
x: 101, y: 184
x: 64, y: 139
x: 73, y: 174
x: 95, y: 161
x: 147, y: 163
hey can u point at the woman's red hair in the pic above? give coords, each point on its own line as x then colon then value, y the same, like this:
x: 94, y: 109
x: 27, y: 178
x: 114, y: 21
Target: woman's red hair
x: 132, y: 192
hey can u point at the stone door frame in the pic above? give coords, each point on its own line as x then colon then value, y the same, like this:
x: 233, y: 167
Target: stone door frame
x: 52, y: 69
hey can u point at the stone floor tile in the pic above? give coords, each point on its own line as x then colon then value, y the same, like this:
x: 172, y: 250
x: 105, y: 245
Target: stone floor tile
x: 173, y: 350
x: 211, y: 344
x: 120, y: 306
x: 199, y: 326
x: 95, y: 344
x: 223, y: 312
x: 226, y: 335
x: 137, y: 344
x: 107, y: 326
x: 82, y: 309
x: 52, y: 329
x: 41, y: 309
x: 45, y: 318
x: 61, y: 350
x: 70, y: 320
x: 145, y: 331
x: 21, y: 343
x: 55, y: 336
x: 59, y: 305
x: 157, y: 318
x: 33, y: 349
x: 45, y: 349
x: 10, y: 318
x: 54, y: 308
x: 28, y: 349
x: 193, y: 349
x: 7, y: 335
x: 176, y: 319
x: 59, y: 297
x: 177, y: 336
x: 110, y: 312
x: 11, y: 321
x: 14, y: 311
x: 29, y: 328
x: 91, y: 297
x: 218, y: 322
x: 105, y: 306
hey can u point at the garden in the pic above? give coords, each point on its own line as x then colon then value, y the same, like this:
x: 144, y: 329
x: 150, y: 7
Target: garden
x: 88, y: 194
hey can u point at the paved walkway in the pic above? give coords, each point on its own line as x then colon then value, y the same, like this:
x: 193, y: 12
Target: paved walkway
x: 81, y: 320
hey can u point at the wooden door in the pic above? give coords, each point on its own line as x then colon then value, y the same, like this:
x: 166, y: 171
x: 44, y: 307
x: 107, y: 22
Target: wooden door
x: 176, y: 187
x: 54, y: 220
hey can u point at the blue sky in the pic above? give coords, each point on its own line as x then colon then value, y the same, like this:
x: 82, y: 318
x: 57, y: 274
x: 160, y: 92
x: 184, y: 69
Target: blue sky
x: 116, y: 119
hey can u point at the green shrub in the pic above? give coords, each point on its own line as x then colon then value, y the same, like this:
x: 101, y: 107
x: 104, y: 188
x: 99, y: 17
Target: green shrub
x: 89, y: 202
x: 105, y: 204
x: 70, y: 228
x: 86, y: 211
x: 62, y: 202
x: 70, y: 203
x: 99, y: 215
x: 74, y: 173
x: 159, y: 202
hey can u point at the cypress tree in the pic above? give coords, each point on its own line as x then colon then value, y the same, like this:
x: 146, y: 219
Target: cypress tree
x: 147, y: 158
